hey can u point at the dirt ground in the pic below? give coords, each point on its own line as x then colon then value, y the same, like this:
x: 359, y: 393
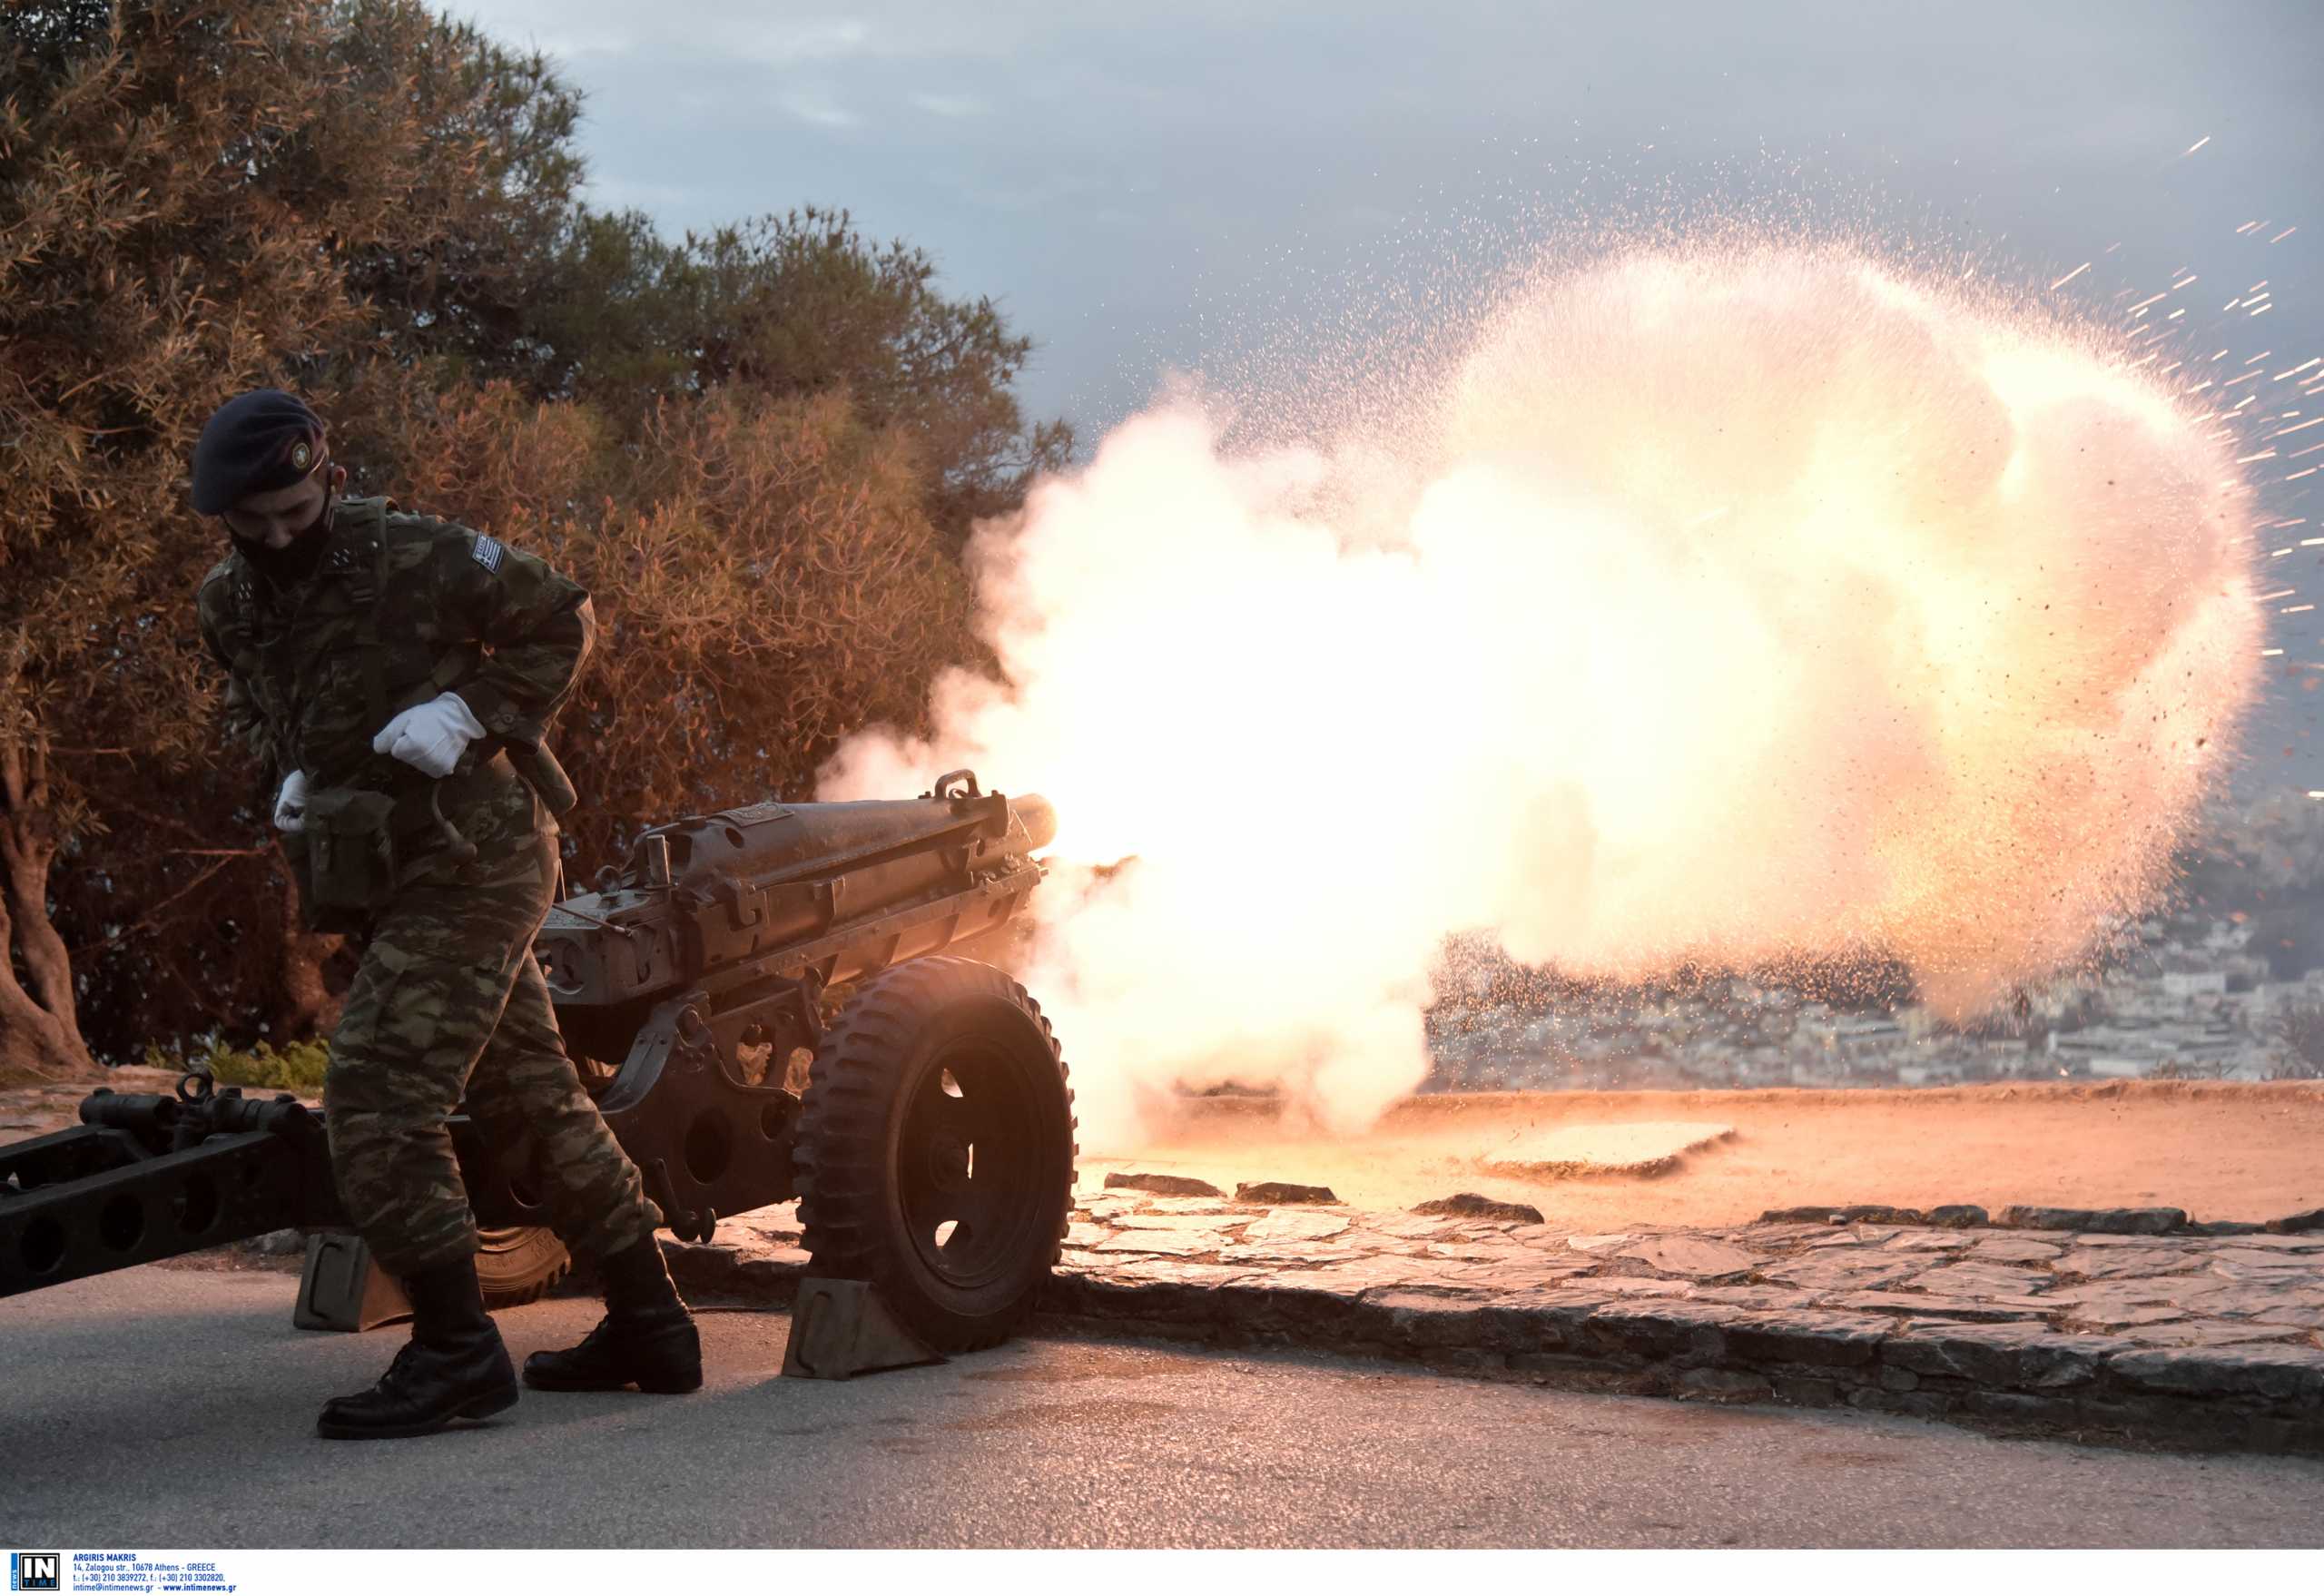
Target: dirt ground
x: 2220, y: 1151
x: 36, y: 1108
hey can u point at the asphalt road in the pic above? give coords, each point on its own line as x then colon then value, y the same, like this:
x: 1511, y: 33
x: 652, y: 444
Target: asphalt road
x: 173, y: 1408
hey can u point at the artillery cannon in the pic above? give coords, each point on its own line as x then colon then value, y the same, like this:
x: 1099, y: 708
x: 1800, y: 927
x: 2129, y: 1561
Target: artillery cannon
x: 928, y: 1130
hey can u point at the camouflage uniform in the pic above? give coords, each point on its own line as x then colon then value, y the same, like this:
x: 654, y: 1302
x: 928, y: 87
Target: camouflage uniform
x: 448, y: 1000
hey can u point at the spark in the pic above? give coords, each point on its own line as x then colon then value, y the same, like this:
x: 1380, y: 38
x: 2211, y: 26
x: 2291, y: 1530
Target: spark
x: 2070, y: 276
x: 2286, y: 233
x: 2198, y: 144
x: 2304, y: 426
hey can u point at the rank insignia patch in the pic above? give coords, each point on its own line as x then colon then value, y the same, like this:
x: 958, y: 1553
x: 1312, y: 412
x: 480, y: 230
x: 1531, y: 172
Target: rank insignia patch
x: 489, y: 551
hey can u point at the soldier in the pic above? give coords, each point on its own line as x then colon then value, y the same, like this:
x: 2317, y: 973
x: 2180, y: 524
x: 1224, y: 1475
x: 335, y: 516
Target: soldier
x: 396, y: 671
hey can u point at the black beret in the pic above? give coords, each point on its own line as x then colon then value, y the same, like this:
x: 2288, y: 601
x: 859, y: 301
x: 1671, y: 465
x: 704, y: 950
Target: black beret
x: 257, y: 442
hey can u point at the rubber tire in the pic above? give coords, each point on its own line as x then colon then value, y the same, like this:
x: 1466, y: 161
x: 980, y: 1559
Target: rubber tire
x: 867, y: 1070
x: 519, y: 1264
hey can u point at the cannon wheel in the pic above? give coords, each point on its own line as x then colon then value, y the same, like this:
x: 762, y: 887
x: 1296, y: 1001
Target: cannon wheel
x: 935, y: 1152
x: 518, y: 1263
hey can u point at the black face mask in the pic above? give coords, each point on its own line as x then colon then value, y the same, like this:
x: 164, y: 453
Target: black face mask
x: 295, y: 561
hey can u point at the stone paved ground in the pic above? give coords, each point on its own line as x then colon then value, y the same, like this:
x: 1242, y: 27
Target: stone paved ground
x: 2041, y: 1318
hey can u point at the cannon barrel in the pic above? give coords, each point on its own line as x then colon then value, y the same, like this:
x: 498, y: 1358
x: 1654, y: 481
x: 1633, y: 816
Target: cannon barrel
x: 1032, y: 823
x: 793, y: 889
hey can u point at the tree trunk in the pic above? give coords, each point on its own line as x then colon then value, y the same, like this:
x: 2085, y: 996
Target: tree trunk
x: 308, y: 1006
x: 39, y: 1032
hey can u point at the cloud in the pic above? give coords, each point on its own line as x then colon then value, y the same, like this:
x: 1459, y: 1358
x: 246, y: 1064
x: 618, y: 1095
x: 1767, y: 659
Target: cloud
x: 787, y: 43
x: 953, y: 105
x: 813, y: 109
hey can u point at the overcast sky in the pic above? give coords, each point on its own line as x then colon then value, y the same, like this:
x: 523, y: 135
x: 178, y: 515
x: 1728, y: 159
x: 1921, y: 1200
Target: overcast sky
x: 1138, y: 184
x: 1144, y: 187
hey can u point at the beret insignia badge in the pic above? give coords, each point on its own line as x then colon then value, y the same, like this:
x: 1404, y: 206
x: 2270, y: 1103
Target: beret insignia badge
x: 302, y: 455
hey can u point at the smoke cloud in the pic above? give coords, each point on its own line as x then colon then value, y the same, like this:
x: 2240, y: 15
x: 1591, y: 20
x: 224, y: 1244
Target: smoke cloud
x: 1728, y: 606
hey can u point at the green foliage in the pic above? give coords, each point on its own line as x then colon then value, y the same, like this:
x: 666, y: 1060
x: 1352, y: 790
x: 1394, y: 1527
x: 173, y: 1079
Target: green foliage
x: 298, y: 1067
x: 455, y: 267
x: 801, y: 305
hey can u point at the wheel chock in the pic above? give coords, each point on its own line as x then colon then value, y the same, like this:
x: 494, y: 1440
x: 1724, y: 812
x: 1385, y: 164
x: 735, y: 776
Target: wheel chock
x: 841, y: 1328
x: 341, y: 1288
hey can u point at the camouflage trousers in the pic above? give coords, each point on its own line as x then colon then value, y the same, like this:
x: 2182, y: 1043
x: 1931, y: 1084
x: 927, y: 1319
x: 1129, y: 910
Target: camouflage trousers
x: 450, y: 1002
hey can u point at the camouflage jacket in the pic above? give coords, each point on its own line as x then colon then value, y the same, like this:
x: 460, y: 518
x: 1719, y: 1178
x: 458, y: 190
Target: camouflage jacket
x: 400, y: 608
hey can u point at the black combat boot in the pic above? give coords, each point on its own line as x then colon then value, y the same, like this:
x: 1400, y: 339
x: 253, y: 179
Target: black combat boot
x: 453, y: 1367
x: 646, y: 1339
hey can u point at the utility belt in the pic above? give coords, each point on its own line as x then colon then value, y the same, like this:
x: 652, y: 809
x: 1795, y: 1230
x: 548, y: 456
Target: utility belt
x: 358, y: 843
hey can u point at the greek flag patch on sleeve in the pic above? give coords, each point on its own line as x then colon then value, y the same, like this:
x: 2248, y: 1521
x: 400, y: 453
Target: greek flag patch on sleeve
x: 489, y: 551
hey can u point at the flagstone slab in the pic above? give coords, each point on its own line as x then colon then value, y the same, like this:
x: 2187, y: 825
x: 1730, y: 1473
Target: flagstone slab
x: 1931, y: 1241
x: 2186, y: 1331
x: 1168, y: 1243
x: 1185, y: 1223
x: 1600, y: 1244
x: 2105, y: 1263
x: 1865, y: 1269
x: 1295, y: 1224
x: 1693, y: 1257
x: 1978, y: 1280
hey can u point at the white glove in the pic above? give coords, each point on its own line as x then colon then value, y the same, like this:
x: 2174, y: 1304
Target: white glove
x: 291, y: 804
x: 431, y: 737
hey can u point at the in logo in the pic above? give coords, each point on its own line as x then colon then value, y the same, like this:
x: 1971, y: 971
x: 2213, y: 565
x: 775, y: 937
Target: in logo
x: 35, y: 1571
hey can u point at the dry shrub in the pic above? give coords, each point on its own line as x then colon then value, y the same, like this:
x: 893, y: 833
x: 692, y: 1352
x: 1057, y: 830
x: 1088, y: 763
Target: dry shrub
x: 765, y: 578
x: 2301, y: 1029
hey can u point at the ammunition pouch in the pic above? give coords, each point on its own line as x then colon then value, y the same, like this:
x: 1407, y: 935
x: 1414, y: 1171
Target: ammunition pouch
x: 360, y: 846
x: 349, y: 848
